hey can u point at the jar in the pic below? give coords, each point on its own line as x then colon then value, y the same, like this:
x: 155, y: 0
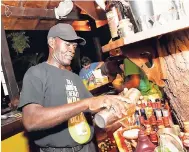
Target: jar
x: 133, y: 94
x: 125, y: 27
x: 186, y: 140
x: 107, y: 116
x: 186, y: 126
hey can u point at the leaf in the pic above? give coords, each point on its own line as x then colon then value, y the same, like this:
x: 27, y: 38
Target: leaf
x: 19, y: 41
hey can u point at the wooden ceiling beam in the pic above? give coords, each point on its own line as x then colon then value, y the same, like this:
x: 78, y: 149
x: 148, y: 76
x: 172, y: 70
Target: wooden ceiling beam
x: 90, y: 8
x: 35, y: 13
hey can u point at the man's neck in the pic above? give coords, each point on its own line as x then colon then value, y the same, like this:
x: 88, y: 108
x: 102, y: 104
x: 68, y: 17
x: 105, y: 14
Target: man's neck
x: 55, y: 64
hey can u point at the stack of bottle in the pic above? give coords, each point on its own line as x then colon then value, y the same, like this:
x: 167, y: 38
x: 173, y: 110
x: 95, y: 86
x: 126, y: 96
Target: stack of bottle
x: 153, y: 116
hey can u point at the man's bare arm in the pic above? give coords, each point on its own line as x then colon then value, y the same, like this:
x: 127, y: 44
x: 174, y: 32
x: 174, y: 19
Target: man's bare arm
x: 134, y: 82
x: 37, y: 117
x: 99, y: 65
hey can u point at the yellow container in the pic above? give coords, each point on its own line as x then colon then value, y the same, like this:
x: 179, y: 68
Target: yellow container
x: 16, y: 143
x: 85, y: 82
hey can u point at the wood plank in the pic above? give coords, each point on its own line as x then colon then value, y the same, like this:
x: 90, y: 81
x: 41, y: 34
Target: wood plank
x: 9, y: 22
x: 90, y: 8
x: 100, y: 23
x: 52, y: 4
x: 26, y: 24
x: 11, y: 3
x: 169, y: 27
x: 45, y: 24
x: 36, y: 4
x: 134, y: 51
x: 81, y: 25
x: 162, y: 53
x: 36, y: 13
x: 7, y: 67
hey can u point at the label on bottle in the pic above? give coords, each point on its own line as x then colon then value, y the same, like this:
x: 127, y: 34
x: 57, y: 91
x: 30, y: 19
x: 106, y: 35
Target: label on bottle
x: 113, y: 21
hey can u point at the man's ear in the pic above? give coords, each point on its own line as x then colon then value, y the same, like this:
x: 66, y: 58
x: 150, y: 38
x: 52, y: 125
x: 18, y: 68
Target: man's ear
x: 51, y: 42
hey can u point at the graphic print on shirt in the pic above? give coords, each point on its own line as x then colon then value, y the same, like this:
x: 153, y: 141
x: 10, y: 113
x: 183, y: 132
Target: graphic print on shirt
x: 86, y: 74
x: 78, y: 127
x: 89, y: 74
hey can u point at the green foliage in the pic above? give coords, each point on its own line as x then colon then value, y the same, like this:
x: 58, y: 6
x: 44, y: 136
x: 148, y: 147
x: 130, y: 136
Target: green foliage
x: 34, y: 59
x: 19, y: 41
x: 30, y: 59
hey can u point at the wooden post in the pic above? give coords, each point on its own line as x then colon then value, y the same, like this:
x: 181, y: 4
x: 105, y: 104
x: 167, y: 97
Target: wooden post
x: 7, y: 67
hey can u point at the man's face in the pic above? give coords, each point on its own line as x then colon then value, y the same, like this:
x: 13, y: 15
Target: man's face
x: 64, y: 51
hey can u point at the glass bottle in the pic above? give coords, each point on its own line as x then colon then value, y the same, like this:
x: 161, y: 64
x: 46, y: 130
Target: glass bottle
x: 167, y: 119
x: 125, y: 27
x: 160, y: 124
x: 154, y: 123
x: 113, y: 19
x: 148, y: 127
x: 143, y: 114
x: 149, y: 109
x: 137, y: 118
x: 107, y: 116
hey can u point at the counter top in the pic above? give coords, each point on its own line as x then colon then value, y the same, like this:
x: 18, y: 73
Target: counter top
x: 11, y: 126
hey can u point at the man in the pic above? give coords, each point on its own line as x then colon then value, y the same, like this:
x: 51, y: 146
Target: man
x: 136, y: 78
x: 54, y: 100
x: 111, y: 69
x: 88, y: 68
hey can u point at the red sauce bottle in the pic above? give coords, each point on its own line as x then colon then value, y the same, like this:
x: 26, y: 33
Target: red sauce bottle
x: 144, y: 144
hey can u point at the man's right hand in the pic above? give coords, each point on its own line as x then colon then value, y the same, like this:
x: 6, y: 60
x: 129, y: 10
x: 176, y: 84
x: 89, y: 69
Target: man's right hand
x: 116, y: 102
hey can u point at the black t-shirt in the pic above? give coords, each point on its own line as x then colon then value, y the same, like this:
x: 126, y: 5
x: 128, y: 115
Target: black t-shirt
x: 45, y: 84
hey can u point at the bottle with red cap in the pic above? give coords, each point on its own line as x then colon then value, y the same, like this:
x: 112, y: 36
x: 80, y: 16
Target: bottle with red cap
x: 153, y: 123
x: 149, y: 109
x: 147, y: 126
x: 166, y: 118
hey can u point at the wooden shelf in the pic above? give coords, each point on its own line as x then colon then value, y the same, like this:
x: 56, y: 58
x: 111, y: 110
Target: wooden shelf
x: 153, y: 32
